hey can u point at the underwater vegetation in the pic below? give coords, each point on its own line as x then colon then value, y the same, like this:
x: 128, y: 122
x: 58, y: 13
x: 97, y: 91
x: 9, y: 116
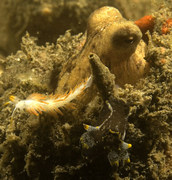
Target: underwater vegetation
x: 128, y: 103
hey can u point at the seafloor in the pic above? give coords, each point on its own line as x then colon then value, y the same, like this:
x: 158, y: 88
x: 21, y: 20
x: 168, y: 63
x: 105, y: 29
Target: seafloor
x: 46, y: 147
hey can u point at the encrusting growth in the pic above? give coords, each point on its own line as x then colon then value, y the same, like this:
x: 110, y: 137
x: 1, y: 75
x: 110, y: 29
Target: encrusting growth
x: 37, y: 103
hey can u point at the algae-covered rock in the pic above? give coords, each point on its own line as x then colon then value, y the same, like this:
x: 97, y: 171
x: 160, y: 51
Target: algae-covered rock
x: 46, y: 147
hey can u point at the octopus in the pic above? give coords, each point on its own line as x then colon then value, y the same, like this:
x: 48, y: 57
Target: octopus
x: 114, y: 55
x: 118, y: 44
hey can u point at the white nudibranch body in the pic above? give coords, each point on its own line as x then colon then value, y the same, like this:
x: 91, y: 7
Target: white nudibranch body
x: 37, y: 103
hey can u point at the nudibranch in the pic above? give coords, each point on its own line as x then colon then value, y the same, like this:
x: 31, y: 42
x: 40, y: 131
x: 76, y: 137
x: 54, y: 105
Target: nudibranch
x: 103, y: 140
x: 38, y: 103
x: 108, y: 137
x: 117, y: 42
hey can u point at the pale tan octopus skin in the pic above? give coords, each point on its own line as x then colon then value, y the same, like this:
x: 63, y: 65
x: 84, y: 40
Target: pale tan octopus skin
x: 118, y: 44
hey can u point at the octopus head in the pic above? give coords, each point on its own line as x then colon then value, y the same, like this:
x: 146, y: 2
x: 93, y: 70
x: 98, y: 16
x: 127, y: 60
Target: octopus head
x: 111, y: 37
x: 100, y: 17
x: 120, y: 40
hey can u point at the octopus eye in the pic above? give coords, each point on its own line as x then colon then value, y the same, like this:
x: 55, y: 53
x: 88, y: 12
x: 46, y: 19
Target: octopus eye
x: 123, y: 41
x: 129, y: 40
